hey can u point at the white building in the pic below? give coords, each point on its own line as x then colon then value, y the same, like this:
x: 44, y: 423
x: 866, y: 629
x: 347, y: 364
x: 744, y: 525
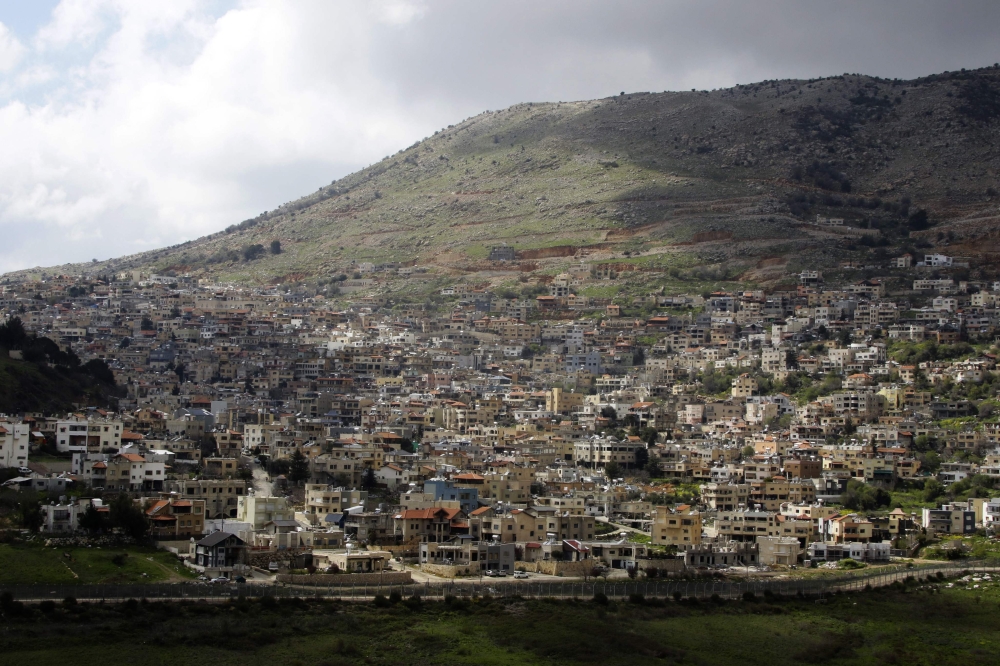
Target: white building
x: 14, y: 441
x: 84, y: 435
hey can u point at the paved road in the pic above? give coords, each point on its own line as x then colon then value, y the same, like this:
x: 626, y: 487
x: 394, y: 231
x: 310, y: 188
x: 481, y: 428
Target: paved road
x: 622, y: 528
x: 261, y: 481
x: 703, y: 588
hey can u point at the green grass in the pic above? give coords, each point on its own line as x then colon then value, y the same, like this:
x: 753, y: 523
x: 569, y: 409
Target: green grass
x: 917, y: 625
x: 910, y: 500
x: 30, y: 563
x: 973, y: 546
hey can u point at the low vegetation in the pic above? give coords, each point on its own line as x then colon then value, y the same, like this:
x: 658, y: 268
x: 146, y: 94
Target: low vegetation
x: 31, y: 563
x: 920, y: 623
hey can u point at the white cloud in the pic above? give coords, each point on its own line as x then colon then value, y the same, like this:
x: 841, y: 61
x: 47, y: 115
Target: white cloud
x: 11, y: 50
x: 162, y: 131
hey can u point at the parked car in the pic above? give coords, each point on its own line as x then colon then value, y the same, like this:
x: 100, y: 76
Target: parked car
x: 501, y: 573
x: 239, y: 579
x: 490, y: 573
x: 219, y: 580
x: 520, y: 574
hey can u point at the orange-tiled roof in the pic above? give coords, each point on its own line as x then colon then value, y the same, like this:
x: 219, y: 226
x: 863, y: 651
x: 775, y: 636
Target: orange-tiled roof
x: 427, y: 514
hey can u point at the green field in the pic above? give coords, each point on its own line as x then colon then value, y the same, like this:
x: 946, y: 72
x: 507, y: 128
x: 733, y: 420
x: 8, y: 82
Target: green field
x: 31, y: 563
x: 921, y: 624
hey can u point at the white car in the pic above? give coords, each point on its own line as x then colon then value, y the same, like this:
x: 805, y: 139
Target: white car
x: 520, y: 574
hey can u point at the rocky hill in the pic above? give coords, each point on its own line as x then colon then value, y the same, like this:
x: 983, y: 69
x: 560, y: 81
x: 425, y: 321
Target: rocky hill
x: 728, y: 181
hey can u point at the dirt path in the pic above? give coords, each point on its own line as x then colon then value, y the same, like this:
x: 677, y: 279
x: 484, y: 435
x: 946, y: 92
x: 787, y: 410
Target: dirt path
x: 172, y: 576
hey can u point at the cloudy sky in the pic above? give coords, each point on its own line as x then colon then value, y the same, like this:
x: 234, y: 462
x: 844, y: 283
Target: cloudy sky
x: 128, y: 125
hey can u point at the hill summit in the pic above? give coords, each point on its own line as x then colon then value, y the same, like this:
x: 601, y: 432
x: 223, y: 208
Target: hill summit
x: 731, y: 182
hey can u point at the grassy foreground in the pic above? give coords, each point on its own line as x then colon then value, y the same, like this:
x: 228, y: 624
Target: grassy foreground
x: 32, y: 563
x: 921, y: 624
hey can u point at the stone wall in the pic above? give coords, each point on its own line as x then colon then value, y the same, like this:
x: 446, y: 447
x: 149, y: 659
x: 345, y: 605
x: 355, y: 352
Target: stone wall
x: 387, y: 578
x: 451, y: 570
x: 558, y: 567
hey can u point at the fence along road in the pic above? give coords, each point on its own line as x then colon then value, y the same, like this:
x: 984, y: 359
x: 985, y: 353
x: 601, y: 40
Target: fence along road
x: 702, y: 589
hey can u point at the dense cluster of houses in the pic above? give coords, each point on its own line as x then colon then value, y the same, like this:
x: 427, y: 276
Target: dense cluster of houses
x: 490, y: 432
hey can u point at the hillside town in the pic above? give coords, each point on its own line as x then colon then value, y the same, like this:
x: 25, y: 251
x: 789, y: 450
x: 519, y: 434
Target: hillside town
x: 539, y: 433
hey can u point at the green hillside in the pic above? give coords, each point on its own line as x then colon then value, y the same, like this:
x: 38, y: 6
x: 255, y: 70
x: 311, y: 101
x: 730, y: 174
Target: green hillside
x: 723, y: 178
x: 45, y: 378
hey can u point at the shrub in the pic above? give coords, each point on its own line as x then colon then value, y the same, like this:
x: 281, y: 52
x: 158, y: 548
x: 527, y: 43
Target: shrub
x: 381, y: 602
x: 252, y: 252
x: 395, y: 597
x: 600, y: 598
x: 849, y: 564
x: 636, y: 598
x: 749, y: 596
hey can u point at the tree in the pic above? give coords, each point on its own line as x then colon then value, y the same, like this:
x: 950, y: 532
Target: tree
x: 298, y: 468
x: 924, y: 443
x: 276, y: 247
x: 860, y: 496
x: 124, y: 343
x: 653, y: 466
x: 930, y: 461
x: 918, y: 221
x: 611, y: 414
x: 180, y: 370
x: 252, y: 252
x: 613, y: 470
x: 127, y: 517
x: 12, y: 333
x: 748, y: 451
x: 638, y: 356
x: 278, y: 467
x: 368, y: 481
x: 932, y: 490
x: 146, y: 324
x: 29, y: 513
x: 94, y: 521
x: 641, y: 457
